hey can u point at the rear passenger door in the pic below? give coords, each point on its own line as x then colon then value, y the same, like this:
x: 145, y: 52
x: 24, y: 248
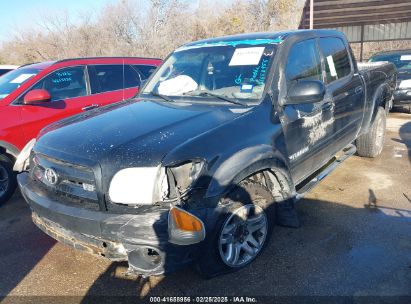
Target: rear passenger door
x: 110, y: 83
x: 345, y: 87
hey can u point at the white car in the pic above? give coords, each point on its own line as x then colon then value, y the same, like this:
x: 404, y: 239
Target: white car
x: 7, y: 68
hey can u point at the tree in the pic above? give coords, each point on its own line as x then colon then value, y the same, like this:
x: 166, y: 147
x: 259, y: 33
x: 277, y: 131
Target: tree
x: 127, y: 29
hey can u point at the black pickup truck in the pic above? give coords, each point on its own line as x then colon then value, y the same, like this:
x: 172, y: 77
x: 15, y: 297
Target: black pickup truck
x: 402, y: 61
x: 220, y: 142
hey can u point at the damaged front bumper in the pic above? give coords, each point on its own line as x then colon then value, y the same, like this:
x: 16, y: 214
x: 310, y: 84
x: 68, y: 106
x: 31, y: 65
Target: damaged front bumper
x: 141, y: 239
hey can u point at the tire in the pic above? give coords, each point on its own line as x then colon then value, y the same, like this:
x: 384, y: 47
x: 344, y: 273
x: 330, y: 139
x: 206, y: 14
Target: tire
x: 371, y: 143
x: 8, y: 181
x: 258, y: 200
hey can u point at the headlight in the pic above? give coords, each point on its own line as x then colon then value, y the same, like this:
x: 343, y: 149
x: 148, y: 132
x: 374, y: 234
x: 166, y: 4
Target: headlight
x: 405, y: 84
x: 145, y: 186
x: 135, y: 186
x: 21, y: 163
x: 187, y: 173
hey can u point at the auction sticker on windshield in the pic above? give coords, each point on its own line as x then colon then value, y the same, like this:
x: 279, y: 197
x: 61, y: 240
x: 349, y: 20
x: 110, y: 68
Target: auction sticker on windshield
x: 247, y: 56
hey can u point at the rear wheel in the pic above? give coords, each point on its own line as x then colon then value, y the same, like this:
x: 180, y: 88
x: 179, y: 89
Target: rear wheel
x: 8, y: 181
x: 371, y: 143
x: 242, y: 231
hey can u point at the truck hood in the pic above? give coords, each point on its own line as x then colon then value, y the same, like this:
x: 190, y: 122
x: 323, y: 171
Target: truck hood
x: 134, y: 133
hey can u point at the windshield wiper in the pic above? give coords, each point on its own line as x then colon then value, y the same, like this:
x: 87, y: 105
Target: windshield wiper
x: 207, y: 93
x: 165, y: 97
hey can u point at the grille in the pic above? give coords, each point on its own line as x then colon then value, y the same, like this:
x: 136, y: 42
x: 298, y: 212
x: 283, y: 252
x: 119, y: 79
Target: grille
x: 75, y: 184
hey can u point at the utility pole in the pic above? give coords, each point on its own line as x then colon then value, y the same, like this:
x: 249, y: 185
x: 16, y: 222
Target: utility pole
x: 311, y: 14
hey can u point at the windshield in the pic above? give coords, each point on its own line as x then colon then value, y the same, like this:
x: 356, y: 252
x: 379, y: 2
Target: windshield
x: 401, y: 61
x: 14, y: 79
x: 231, y: 70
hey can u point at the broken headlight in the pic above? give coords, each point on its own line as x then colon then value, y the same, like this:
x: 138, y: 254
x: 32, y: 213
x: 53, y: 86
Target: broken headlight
x: 146, y: 186
x: 182, y: 176
x: 135, y: 186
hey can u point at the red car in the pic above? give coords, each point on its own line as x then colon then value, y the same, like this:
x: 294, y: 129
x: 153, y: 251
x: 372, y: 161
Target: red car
x: 36, y: 95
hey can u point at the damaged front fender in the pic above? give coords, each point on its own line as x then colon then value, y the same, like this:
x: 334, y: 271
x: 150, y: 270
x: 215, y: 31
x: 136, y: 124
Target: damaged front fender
x: 242, y: 164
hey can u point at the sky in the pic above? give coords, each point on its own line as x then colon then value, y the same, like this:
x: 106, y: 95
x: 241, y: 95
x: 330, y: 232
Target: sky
x: 19, y: 14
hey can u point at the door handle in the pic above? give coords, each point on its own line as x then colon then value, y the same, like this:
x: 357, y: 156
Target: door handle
x: 90, y: 107
x: 327, y: 105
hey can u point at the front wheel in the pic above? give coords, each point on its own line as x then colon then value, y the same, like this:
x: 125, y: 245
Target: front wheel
x: 243, y: 235
x: 8, y: 181
x: 242, y: 231
x: 371, y: 143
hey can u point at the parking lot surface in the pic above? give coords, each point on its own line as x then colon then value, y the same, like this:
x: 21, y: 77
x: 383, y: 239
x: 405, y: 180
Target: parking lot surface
x: 355, y: 240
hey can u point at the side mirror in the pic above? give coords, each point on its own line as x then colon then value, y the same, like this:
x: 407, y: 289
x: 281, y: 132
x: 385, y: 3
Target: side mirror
x: 306, y: 91
x: 37, y: 97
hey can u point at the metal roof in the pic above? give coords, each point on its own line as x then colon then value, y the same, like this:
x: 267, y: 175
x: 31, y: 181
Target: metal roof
x: 340, y: 13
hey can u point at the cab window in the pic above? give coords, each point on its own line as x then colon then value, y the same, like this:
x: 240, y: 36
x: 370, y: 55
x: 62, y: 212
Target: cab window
x: 337, y: 60
x: 303, y: 62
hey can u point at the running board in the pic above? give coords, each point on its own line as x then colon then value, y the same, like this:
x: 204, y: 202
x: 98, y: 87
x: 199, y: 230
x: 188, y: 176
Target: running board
x: 325, y: 170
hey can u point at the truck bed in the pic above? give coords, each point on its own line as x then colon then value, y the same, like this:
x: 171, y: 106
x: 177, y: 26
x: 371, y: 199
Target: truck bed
x: 377, y: 74
x: 380, y: 71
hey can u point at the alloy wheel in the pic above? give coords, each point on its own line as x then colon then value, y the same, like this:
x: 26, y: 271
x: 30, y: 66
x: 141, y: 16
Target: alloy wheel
x: 243, y: 235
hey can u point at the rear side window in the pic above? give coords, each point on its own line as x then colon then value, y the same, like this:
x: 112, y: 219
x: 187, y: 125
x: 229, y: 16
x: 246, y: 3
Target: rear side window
x: 131, y: 77
x: 64, y: 83
x: 145, y: 70
x: 303, y: 62
x: 337, y: 60
x: 106, y: 78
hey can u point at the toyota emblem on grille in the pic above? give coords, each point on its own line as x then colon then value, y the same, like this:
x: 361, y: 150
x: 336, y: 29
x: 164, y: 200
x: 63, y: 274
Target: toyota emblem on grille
x: 51, y: 176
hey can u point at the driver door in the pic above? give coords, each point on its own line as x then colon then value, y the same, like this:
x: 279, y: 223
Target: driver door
x: 308, y: 127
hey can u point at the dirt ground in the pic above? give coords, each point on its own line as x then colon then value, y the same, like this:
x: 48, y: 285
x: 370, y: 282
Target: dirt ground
x: 355, y: 240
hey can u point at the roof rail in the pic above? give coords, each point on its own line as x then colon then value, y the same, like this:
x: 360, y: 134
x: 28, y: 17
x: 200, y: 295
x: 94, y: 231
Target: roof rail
x: 106, y: 57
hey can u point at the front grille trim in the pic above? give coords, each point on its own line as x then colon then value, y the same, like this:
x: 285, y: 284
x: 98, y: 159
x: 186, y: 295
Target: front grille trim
x: 70, y: 183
